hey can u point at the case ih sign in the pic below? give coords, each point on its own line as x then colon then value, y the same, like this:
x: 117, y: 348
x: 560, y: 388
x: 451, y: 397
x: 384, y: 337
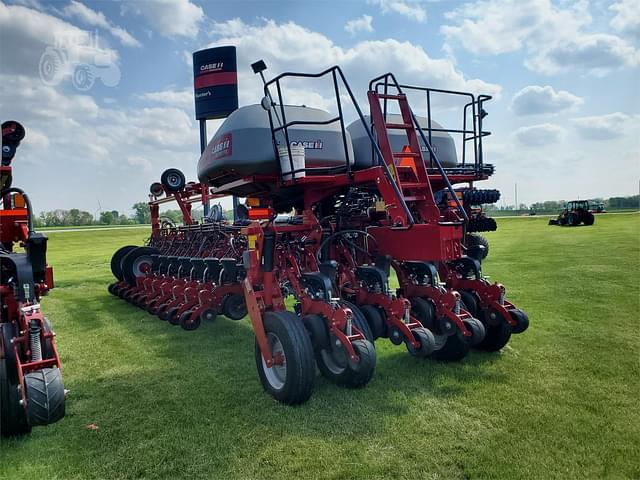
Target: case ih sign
x: 215, y: 82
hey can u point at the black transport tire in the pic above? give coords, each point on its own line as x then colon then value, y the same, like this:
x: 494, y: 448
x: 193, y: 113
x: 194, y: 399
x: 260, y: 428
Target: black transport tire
x: 589, y: 219
x: 573, y: 219
x: 497, y: 335
x: 132, y: 262
x: 234, y: 307
x: 375, y: 319
x: 352, y: 375
x: 116, y: 260
x: 45, y: 396
x: 173, y: 180
x: 291, y: 383
x: 475, y: 239
x: 13, y: 417
x: 188, y: 323
x: 359, y: 320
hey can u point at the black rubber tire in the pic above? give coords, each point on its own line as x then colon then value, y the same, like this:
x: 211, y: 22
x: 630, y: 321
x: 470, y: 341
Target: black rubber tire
x: 116, y: 261
x: 352, y: 375
x: 589, y: 218
x: 129, y: 261
x: 187, y: 324
x: 478, y: 332
x: 208, y: 315
x: 300, y: 371
x: 375, y: 319
x: 160, y: 311
x: 522, y: 318
x: 424, y: 311
x: 173, y: 180
x: 469, y: 302
x: 573, y: 219
x: 318, y: 331
x: 475, y: 239
x: 496, y: 337
x: 13, y: 417
x: 234, y: 307
x: 359, y: 320
x: 427, y: 343
x: 156, y: 189
x: 45, y: 396
x: 171, y: 316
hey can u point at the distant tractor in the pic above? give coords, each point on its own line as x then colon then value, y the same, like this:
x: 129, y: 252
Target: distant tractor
x: 598, y: 207
x: 575, y: 212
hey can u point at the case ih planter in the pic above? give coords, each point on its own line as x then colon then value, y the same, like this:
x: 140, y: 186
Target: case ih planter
x: 369, y: 198
x: 31, y: 389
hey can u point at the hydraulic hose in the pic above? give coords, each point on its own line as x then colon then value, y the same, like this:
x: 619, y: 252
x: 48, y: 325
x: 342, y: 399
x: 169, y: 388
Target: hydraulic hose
x: 27, y: 201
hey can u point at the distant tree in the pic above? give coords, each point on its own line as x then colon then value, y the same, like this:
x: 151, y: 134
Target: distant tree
x: 107, y: 218
x: 141, y: 213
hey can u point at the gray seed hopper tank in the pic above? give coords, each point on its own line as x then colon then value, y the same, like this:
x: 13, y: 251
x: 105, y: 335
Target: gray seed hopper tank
x: 243, y: 145
x: 441, y: 142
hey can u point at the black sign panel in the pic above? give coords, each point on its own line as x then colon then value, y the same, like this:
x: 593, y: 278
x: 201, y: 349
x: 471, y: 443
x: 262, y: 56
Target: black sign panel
x: 215, y: 82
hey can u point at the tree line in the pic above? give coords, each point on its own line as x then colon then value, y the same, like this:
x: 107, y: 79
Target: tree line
x: 142, y: 216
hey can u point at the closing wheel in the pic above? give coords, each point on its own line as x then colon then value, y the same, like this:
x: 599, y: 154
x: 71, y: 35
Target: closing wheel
x: 234, y: 307
x: 424, y: 311
x: 173, y: 180
x: 116, y: 260
x: 335, y: 365
x: 375, y: 320
x: 427, y: 342
x: 291, y: 379
x: 521, y: 318
x: 318, y: 331
x: 208, y: 315
x: 160, y: 311
x: 187, y: 322
x: 497, y: 334
x: 171, y: 315
x: 477, y: 330
x: 45, y: 396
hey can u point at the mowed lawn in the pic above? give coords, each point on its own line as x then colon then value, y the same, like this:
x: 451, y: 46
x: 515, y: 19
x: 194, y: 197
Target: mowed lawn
x: 560, y: 401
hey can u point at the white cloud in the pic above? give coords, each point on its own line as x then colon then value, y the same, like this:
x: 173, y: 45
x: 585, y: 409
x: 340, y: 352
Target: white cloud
x: 25, y: 34
x: 607, y: 127
x: 362, y: 24
x: 539, y: 135
x: 595, y: 53
x: 411, y: 9
x: 536, y: 100
x: 627, y: 18
x: 97, y: 19
x: 172, y: 98
x: 553, y: 36
x: 291, y: 47
x: 170, y: 18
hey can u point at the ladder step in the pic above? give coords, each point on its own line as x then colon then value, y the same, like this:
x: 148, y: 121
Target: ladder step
x: 389, y: 96
x: 415, y: 198
x: 399, y: 126
x: 406, y: 154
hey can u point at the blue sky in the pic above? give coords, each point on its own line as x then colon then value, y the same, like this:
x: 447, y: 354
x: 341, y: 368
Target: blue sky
x: 565, y: 119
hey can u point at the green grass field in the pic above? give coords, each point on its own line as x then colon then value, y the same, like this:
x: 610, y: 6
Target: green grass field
x: 560, y: 401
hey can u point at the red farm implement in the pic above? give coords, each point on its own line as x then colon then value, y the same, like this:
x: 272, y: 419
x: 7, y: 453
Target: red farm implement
x: 31, y: 388
x: 333, y: 215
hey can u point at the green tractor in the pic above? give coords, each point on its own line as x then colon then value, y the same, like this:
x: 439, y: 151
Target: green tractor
x: 575, y: 212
